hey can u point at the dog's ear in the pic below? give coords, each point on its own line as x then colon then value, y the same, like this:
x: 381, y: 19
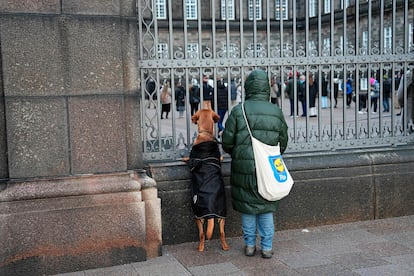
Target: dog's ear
x: 216, y: 117
x: 194, y: 118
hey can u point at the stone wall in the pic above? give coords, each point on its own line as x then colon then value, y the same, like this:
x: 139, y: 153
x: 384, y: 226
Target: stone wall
x: 329, y: 188
x: 70, y: 145
x: 72, y: 66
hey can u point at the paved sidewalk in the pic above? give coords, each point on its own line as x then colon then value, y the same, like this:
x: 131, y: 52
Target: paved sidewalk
x: 378, y: 247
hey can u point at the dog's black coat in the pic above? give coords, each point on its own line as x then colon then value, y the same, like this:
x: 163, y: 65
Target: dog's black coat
x: 208, y: 196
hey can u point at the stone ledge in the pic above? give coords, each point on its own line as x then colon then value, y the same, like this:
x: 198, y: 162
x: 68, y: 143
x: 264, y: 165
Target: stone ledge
x: 77, y: 223
x: 69, y: 186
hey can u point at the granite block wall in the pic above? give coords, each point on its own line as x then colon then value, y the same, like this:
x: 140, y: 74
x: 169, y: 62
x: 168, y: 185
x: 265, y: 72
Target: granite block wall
x: 4, y: 173
x: 70, y: 65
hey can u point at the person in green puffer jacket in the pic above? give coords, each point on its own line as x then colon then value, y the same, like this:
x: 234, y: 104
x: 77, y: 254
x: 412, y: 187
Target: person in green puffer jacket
x: 268, y: 125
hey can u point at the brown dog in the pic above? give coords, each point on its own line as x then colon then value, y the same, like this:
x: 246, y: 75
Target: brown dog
x: 205, y: 119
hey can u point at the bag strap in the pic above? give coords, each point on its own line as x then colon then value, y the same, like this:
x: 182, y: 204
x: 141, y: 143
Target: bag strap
x: 247, y: 123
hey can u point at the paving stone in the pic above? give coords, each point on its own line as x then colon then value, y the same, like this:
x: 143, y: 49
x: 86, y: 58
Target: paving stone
x: 165, y: 265
x: 303, y: 259
x: 358, y: 260
x: 385, y: 270
x: 385, y: 249
x: 125, y: 270
x: 330, y: 269
x: 215, y: 269
x: 405, y: 261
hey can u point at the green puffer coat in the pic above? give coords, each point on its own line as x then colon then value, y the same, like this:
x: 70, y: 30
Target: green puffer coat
x: 268, y: 125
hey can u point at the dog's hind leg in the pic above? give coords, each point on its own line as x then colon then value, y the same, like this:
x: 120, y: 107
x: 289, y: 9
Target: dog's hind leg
x: 200, y: 223
x: 224, y: 244
x: 210, y: 228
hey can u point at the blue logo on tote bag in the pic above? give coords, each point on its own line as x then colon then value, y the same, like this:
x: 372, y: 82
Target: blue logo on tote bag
x: 278, y: 168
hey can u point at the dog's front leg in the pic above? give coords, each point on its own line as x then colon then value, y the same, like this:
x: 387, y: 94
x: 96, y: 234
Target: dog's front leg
x: 224, y: 244
x: 200, y: 223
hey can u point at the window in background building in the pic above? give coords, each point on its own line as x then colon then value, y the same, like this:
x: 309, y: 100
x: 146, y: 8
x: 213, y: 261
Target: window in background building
x: 344, y: 4
x: 232, y: 50
x: 162, y: 50
x: 281, y: 8
x: 364, y: 42
x: 259, y: 50
x: 410, y: 37
x: 312, y: 48
x: 313, y: 8
x: 161, y: 9
x: 257, y: 10
x: 227, y: 13
x: 192, y: 50
x: 387, y: 40
x: 191, y: 9
x: 327, y: 6
x: 341, y: 45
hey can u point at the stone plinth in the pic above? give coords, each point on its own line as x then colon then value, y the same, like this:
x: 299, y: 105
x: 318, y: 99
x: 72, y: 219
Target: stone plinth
x: 60, y: 225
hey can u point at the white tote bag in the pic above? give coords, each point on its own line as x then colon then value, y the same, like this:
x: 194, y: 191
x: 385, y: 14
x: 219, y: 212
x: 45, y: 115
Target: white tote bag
x: 274, y: 181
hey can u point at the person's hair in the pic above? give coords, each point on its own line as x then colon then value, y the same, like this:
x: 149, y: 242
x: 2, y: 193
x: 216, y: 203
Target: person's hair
x: 311, y: 80
x: 165, y: 87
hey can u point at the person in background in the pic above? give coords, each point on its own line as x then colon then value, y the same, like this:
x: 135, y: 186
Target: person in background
x: 313, y: 93
x: 374, y: 94
x: 362, y: 102
x: 336, y: 90
x: 165, y: 99
x: 194, y: 96
x: 348, y: 92
x: 397, y: 79
x: 233, y: 91
x: 150, y: 94
x: 302, y: 93
x: 268, y: 125
x: 406, y: 107
x: 222, y: 103
x: 208, y: 91
x: 386, y: 90
x: 325, y: 90
x: 238, y: 99
x: 289, y: 90
x: 274, y: 92
x: 180, y: 99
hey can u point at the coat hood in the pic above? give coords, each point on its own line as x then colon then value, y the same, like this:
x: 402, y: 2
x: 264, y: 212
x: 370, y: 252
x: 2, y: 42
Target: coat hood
x: 257, y: 86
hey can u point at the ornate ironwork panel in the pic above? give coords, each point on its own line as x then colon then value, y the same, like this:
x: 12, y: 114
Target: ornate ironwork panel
x: 334, y: 46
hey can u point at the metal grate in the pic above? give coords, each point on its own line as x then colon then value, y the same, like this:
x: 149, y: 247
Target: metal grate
x: 182, y: 41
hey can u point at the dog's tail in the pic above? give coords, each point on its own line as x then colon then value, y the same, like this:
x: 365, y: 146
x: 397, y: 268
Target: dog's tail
x: 210, y: 228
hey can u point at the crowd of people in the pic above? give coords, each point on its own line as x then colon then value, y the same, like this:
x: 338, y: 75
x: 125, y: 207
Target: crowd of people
x: 302, y: 91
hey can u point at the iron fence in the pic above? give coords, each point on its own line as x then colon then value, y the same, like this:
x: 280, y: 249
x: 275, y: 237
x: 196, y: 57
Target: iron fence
x: 327, y: 42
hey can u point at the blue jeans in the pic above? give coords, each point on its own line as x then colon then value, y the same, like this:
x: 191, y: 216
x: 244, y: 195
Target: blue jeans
x: 265, y: 226
x: 221, y: 113
x: 386, y: 104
